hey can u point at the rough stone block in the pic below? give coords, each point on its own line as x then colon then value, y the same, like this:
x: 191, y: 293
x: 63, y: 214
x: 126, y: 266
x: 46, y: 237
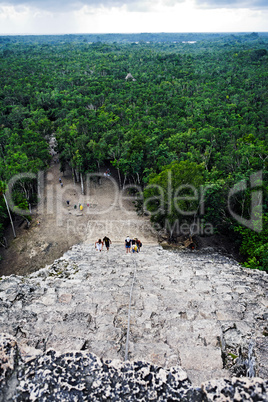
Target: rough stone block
x: 200, y: 357
x: 236, y: 389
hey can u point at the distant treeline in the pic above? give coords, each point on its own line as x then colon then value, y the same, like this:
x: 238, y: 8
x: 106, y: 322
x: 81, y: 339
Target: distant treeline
x: 195, y: 113
x: 134, y: 37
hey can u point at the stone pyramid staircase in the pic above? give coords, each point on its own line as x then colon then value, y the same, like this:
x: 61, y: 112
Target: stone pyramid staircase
x: 199, y: 310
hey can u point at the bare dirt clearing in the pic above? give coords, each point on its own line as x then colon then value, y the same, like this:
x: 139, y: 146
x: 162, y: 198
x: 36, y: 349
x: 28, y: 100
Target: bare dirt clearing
x: 106, y: 211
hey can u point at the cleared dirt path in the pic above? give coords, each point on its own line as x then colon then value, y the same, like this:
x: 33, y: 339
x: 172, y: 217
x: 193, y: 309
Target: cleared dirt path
x: 106, y: 211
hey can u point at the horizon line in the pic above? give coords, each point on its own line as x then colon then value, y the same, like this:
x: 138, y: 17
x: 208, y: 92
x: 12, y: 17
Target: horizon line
x: 129, y: 33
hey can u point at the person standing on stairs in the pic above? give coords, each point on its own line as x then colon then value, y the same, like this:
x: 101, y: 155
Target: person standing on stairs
x: 99, y: 245
x: 128, y: 242
x: 139, y: 244
x: 107, y: 242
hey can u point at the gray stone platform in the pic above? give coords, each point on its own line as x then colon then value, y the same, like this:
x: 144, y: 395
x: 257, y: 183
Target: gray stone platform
x: 197, y: 310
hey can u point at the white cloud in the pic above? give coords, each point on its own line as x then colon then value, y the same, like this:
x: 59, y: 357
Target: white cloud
x: 183, y: 17
x: 249, y: 4
x: 121, y: 16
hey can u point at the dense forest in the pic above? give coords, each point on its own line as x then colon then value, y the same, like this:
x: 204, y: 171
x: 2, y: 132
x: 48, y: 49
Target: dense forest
x: 169, y: 112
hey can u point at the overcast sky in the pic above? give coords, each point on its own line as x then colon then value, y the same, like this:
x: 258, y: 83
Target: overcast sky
x: 116, y: 16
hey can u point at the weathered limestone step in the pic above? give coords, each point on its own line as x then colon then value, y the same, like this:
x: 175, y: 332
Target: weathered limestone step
x: 84, y: 376
x: 187, y: 309
x: 147, y: 242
